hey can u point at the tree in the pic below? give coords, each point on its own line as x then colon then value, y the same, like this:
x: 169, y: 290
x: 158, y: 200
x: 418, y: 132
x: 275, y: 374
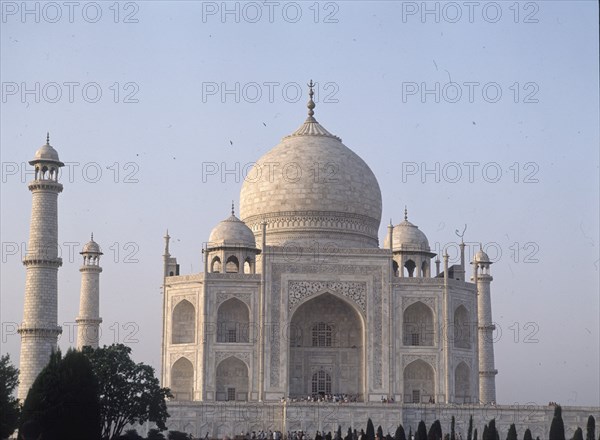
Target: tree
x: 557, y: 427
x: 527, y: 435
x: 512, y: 432
x: 9, y: 405
x: 400, y: 434
x: 410, y: 435
x: 131, y: 434
x: 380, y: 432
x: 178, y: 435
x: 578, y: 435
x: 155, y: 434
x: 470, y: 430
x: 421, y: 433
x: 63, y: 400
x: 452, y: 431
x: 590, y: 432
x: 490, y: 432
x: 129, y: 392
x: 370, y: 434
x: 475, y: 434
x: 435, y: 431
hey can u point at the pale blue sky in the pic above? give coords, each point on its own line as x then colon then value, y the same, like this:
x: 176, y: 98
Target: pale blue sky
x: 169, y: 60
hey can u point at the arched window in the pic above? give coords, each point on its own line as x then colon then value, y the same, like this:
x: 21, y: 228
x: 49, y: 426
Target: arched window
x: 462, y: 329
x: 232, y: 265
x: 410, y: 268
x: 462, y: 383
x: 183, y: 323
x: 248, y: 265
x: 395, y: 268
x: 418, y: 326
x: 182, y: 379
x: 215, y: 266
x: 425, y: 269
x: 232, y: 380
x: 321, y: 383
x: 322, y: 335
x: 418, y: 382
x: 233, y: 321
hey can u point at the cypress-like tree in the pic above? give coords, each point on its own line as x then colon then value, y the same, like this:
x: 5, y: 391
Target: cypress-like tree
x: 578, y: 435
x: 475, y: 434
x: 370, y: 430
x: 339, y: 433
x: 380, y: 432
x: 590, y: 432
x: 421, y: 433
x: 435, y: 431
x: 512, y: 432
x: 349, y: 434
x: 410, y: 435
x: 485, y: 436
x: 527, y: 435
x: 64, y: 399
x: 452, y: 429
x: 557, y: 427
x: 399, y: 434
x: 470, y: 430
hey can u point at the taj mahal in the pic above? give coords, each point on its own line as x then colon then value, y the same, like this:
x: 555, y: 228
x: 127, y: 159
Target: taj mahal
x: 301, y: 318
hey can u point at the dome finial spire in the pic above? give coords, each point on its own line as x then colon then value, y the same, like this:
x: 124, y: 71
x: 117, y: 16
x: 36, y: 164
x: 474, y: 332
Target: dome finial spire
x: 232, y: 208
x: 47, y: 138
x: 92, y: 237
x: 405, y: 213
x: 311, y: 103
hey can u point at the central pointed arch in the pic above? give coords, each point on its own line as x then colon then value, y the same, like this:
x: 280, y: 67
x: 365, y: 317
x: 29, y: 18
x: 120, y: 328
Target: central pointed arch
x: 326, y: 347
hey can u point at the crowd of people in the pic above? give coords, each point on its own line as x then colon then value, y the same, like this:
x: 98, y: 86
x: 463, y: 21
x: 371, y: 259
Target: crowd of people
x: 329, y: 398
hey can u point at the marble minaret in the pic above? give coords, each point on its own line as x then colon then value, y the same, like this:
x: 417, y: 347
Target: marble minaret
x: 486, y: 327
x: 88, y: 321
x: 39, y: 329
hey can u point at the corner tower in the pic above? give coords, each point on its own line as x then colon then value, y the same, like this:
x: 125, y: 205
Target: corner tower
x: 88, y: 321
x: 39, y: 330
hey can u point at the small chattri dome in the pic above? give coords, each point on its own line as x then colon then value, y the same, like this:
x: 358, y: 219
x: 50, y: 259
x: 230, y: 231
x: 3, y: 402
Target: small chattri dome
x: 482, y: 257
x: 408, y: 237
x: 46, y: 153
x: 231, y: 232
x: 91, y: 247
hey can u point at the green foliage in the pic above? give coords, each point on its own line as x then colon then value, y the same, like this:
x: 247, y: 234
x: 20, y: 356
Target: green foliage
x: 435, y: 431
x: 178, y: 435
x: 557, y: 427
x: 421, y: 433
x: 490, y: 432
x: 512, y: 432
x: 470, y: 430
x: 527, y: 435
x: 129, y: 392
x: 475, y: 434
x: 155, y: 434
x: 590, y: 432
x: 9, y: 405
x: 400, y: 434
x: 380, y: 432
x: 131, y: 434
x: 370, y: 434
x: 578, y: 434
x: 63, y: 400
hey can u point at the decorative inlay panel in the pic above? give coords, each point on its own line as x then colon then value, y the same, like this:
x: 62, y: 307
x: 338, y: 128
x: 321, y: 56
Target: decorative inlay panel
x: 242, y: 296
x: 243, y: 355
x: 431, y: 359
x: 409, y: 300
x: 355, y: 291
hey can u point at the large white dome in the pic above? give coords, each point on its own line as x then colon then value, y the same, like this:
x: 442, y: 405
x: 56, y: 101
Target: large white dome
x: 312, y: 188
